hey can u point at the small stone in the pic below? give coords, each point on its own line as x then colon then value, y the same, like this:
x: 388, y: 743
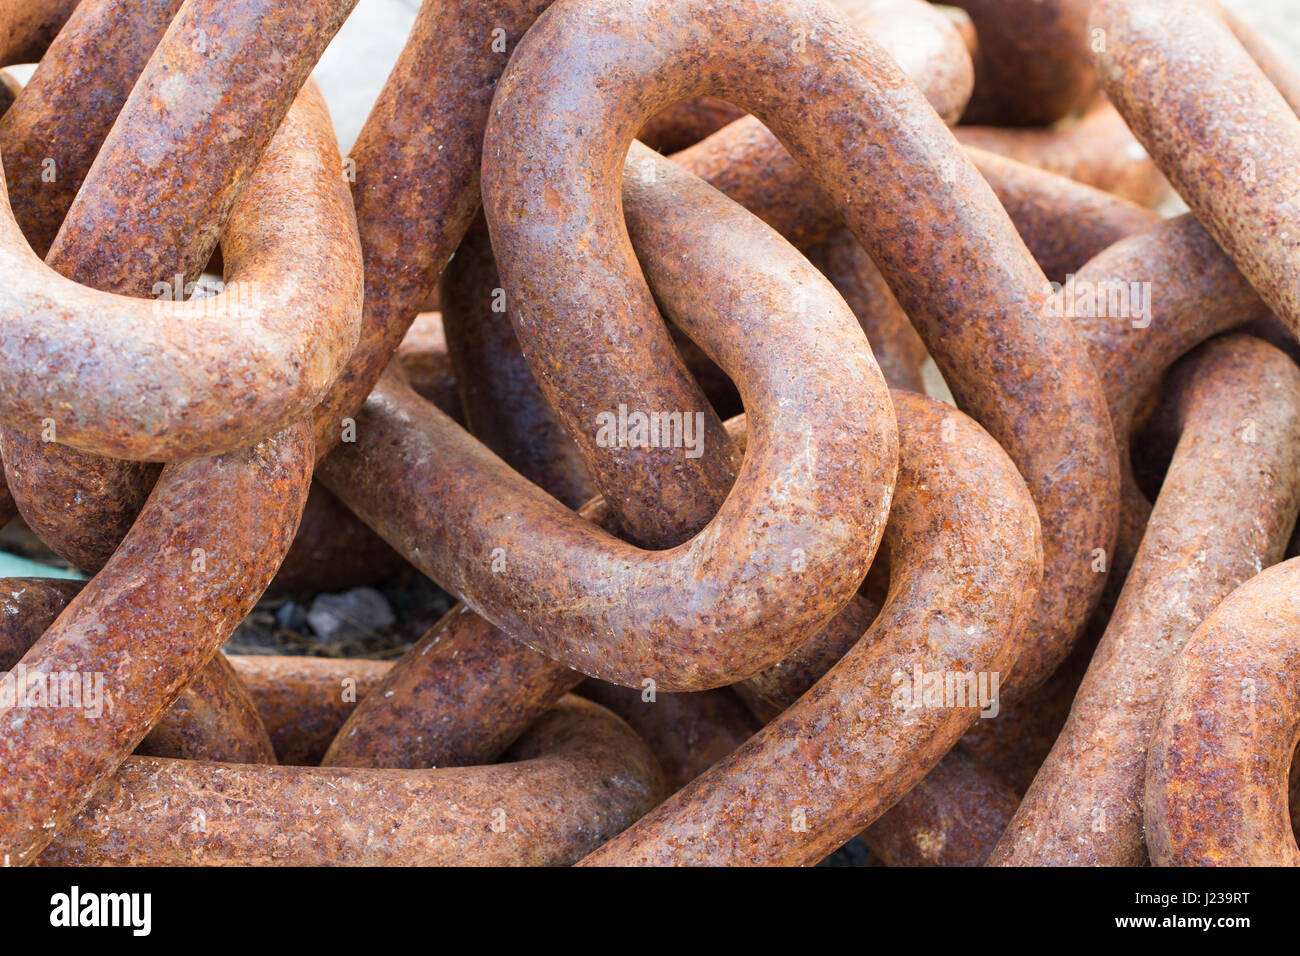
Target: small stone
x: 350, y: 613
x: 292, y: 616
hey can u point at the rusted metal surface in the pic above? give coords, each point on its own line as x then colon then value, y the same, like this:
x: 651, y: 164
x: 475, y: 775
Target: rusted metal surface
x: 771, y: 691
x: 1227, y: 141
x: 922, y: 829
x: 460, y: 696
x: 1054, y: 214
x: 100, y: 502
x: 924, y: 43
x: 791, y: 795
x: 198, y: 557
x: 607, y: 287
x: 503, y: 394
x: 196, y: 140
x: 213, y: 718
x: 193, y: 564
x: 1279, y: 70
x: 1130, y: 223
x: 466, y: 690
x: 417, y: 165
x: 1031, y: 60
x: 647, y: 625
x: 190, y: 129
x: 1096, y: 228
x: 303, y: 701
x: 661, y: 496
x: 852, y: 632
x: 27, y: 607
x: 894, y: 342
x: 49, y: 138
x: 495, y: 685
x: 333, y: 551
x: 1194, y: 291
x: 427, y: 365
x: 686, y: 123
x: 9, y: 90
x: 222, y: 371
x: 991, y: 307
x: 813, y: 554
x: 1223, y: 741
x: 746, y: 161
x: 504, y: 407
x: 687, y: 733
x: 1064, y: 223
x: 47, y: 146
x: 1098, y: 149
x: 577, y: 777
x: 28, y: 26
x: 1225, y: 511
x: 1012, y: 746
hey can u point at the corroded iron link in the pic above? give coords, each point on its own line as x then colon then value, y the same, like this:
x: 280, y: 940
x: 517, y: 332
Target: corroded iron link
x: 625, y: 323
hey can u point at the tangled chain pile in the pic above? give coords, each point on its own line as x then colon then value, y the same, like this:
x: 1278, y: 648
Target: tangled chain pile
x: 686, y: 634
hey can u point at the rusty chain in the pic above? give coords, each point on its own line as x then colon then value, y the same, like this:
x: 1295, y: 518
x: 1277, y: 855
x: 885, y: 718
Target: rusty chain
x: 626, y: 324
